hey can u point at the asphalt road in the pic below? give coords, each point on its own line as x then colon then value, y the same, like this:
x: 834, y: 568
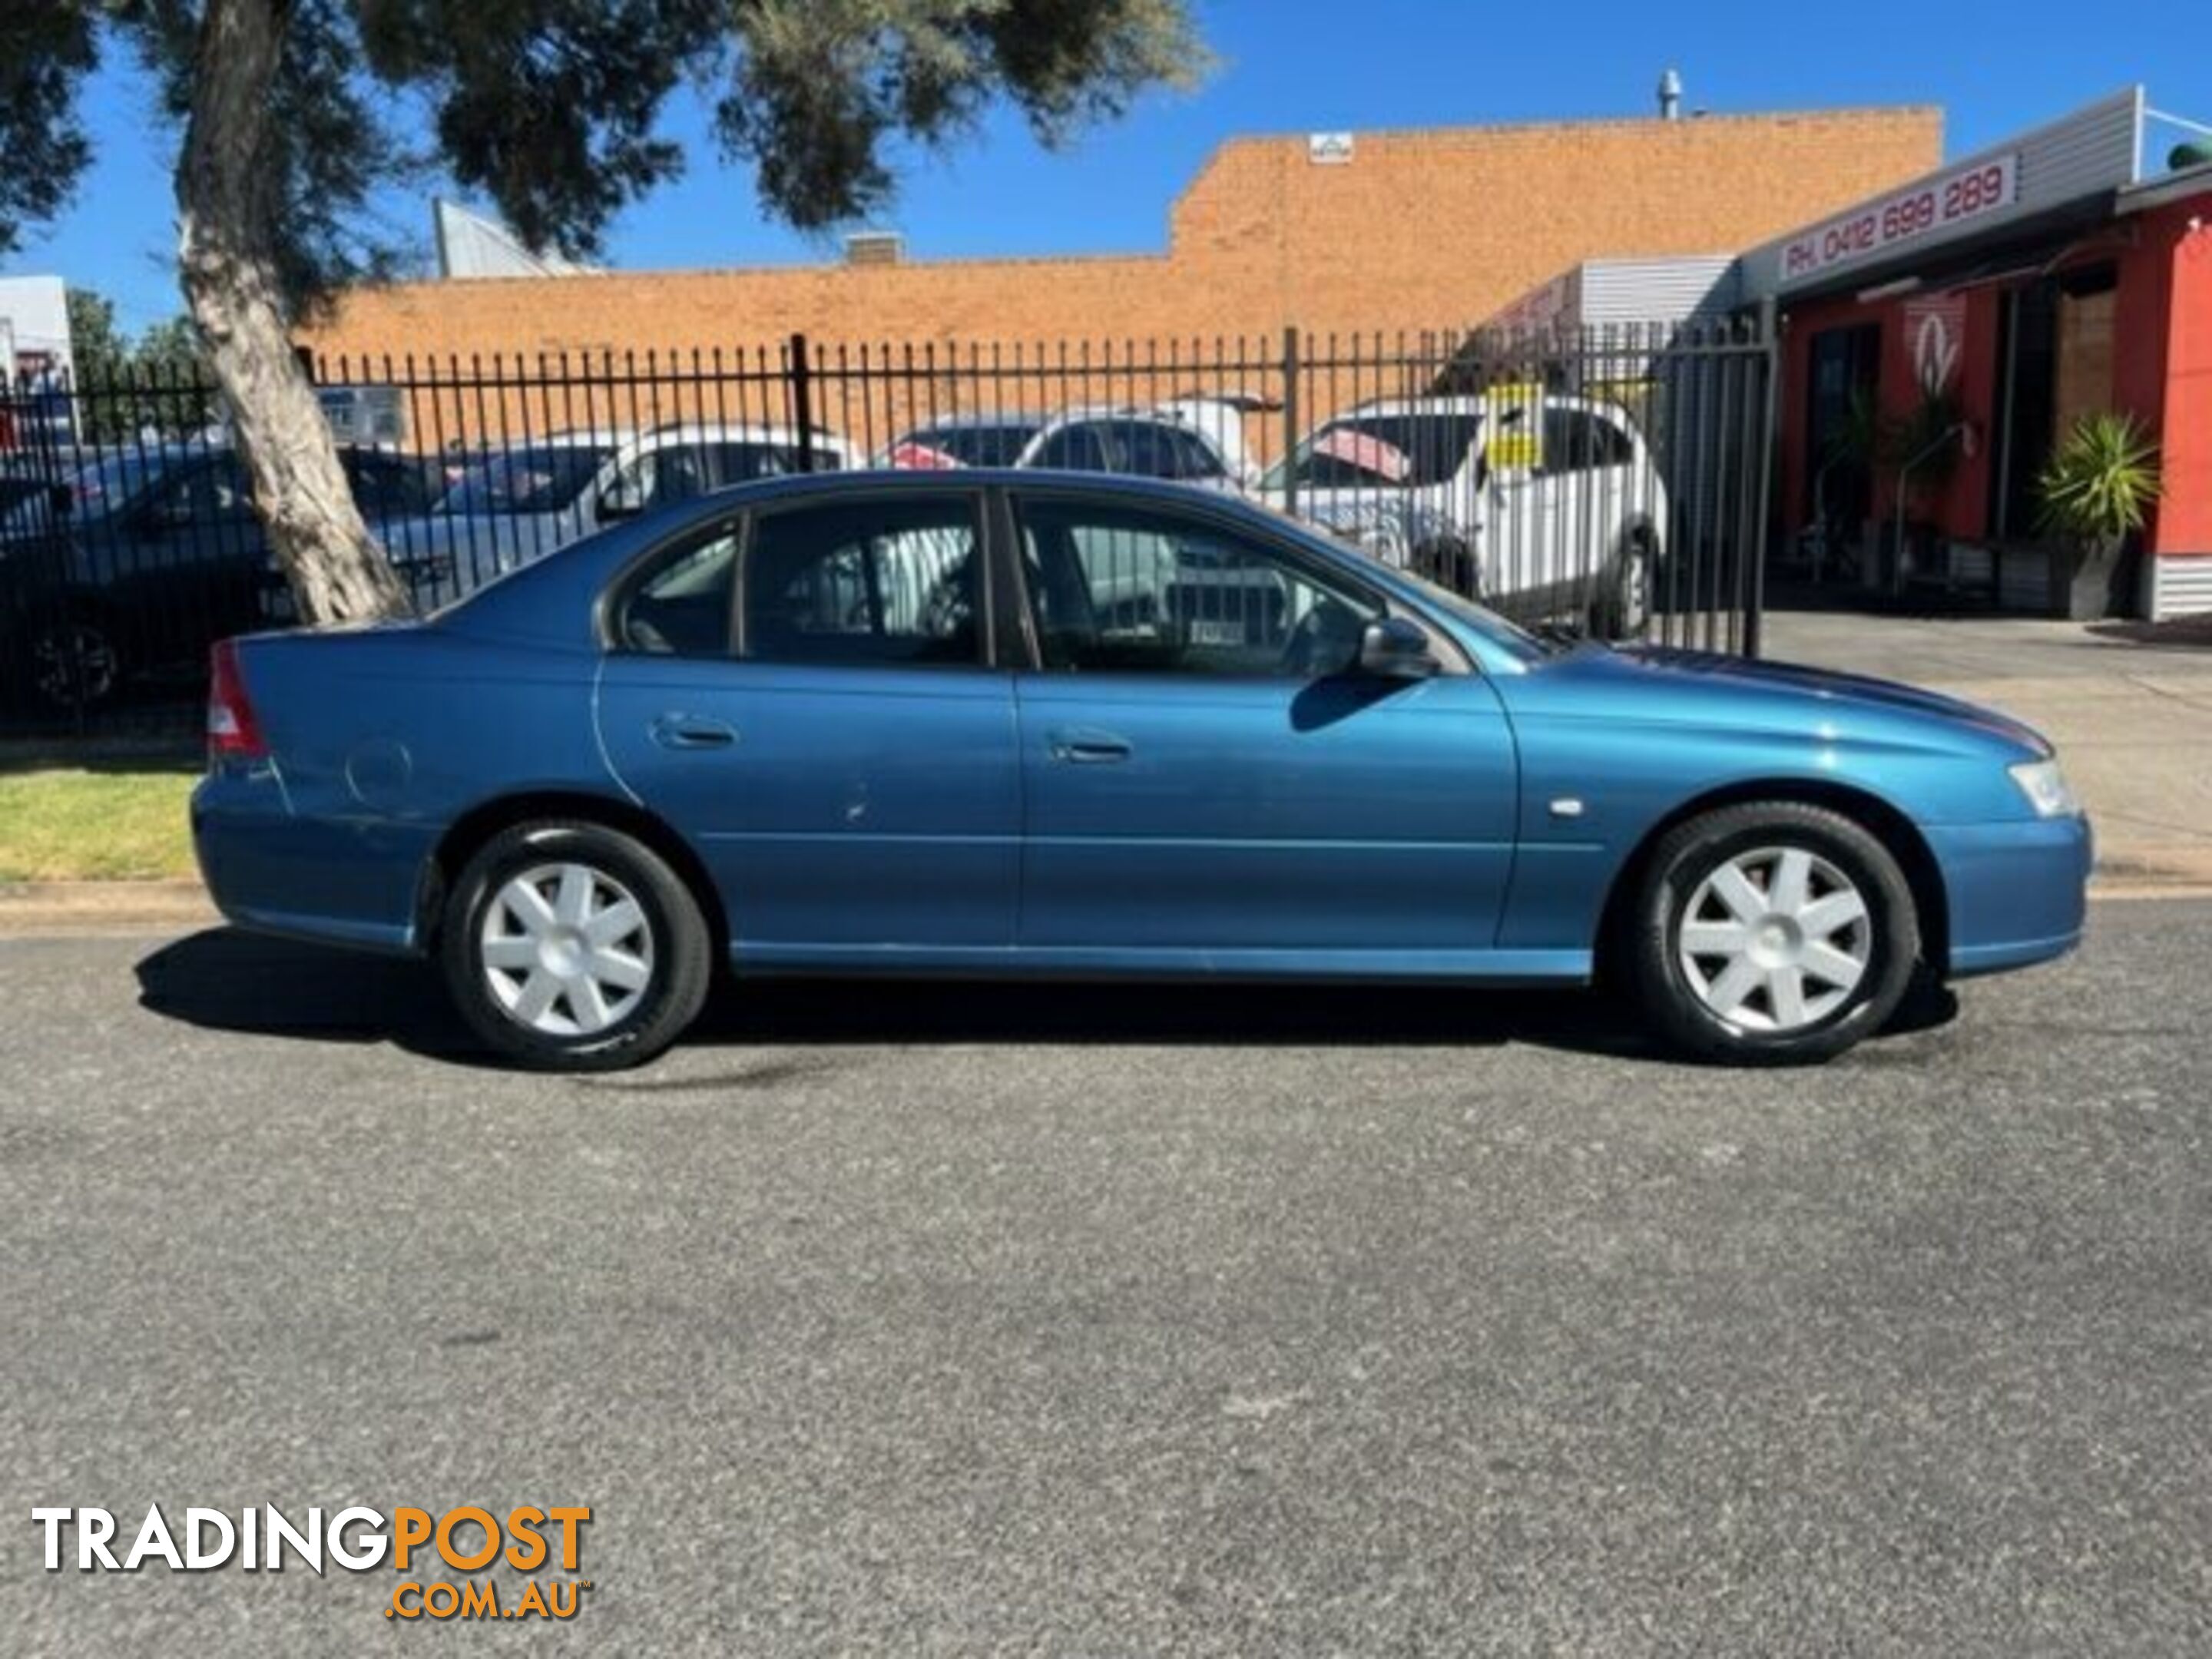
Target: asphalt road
x: 976, y: 1318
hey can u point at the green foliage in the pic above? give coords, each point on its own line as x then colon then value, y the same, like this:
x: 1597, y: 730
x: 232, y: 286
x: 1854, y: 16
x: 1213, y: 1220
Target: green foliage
x: 46, y: 49
x: 2100, y: 482
x: 1926, y: 439
x: 157, y: 385
x: 97, y: 345
x: 553, y: 108
x: 1863, y: 437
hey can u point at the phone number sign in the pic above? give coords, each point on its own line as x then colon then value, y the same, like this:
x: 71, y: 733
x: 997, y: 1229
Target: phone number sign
x: 1950, y: 199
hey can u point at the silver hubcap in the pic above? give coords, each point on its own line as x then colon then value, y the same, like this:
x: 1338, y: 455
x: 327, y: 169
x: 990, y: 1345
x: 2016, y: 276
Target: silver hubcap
x: 1775, y: 940
x: 74, y: 664
x: 567, y: 950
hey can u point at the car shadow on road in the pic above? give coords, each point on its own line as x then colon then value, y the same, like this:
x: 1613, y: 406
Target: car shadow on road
x: 228, y: 981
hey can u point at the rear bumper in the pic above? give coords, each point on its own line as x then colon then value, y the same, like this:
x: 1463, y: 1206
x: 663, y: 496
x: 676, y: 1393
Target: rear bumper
x: 355, y: 882
x: 2018, y: 892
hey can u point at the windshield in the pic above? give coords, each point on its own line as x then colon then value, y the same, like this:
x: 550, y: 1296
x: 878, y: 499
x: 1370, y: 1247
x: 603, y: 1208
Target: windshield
x: 543, y: 479
x: 1369, y: 450
x: 1000, y: 445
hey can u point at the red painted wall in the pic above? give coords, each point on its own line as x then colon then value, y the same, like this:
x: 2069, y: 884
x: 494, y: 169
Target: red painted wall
x: 2184, y: 526
x: 2162, y: 373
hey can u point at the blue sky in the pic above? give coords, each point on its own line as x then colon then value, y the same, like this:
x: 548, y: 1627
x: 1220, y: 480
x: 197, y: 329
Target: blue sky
x: 1291, y: 66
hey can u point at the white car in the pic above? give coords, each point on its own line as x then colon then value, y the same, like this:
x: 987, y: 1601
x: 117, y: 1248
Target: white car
x: 512, y: 505
x: 1533, y: 501
x: 1196, y: 440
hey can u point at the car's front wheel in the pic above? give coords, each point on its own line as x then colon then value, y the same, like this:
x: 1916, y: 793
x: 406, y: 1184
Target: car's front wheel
x: 1623, y: 611
x: 570, y: 946
x: 1774, y: 932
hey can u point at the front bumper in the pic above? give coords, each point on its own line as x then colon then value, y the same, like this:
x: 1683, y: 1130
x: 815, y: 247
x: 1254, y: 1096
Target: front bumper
x: 2018, y: 891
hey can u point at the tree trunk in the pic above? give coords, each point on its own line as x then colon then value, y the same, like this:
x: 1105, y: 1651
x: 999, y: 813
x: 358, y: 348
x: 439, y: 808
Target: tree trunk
x: 228, y: 193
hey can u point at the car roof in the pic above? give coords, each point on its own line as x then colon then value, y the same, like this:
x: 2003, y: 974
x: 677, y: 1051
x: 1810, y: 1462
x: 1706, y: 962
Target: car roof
x: 980, y: 418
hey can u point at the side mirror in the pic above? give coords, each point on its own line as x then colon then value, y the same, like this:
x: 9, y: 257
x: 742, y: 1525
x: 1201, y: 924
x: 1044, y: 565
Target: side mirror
x: 623, y: 499
x: 1396, y: 648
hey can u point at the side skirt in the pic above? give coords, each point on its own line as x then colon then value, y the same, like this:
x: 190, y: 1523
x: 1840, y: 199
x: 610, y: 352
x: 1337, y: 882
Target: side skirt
x: 1488, y: 967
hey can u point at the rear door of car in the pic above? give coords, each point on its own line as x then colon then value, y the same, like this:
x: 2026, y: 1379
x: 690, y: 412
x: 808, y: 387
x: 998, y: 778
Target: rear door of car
x: 807, y: 696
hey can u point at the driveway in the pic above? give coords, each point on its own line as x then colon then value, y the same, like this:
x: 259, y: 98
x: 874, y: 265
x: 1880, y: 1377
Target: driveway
x: 971, y: 1318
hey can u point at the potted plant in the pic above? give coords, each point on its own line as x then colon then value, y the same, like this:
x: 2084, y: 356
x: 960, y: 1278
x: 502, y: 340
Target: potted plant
x: 1845, y: 484
x: 2096, y: 492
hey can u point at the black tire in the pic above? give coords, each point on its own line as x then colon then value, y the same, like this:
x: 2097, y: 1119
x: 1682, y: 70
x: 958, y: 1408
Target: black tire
x: 1450, y: 563
x: 676, y: 946
x: 1697, y: 850
x: 74, y: 663
x: 1624, y: 609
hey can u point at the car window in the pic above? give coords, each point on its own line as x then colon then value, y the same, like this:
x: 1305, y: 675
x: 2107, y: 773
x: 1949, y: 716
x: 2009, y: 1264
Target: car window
x: 681, y: 473
x: 1575, y: 440
x: 865, y: 583
x: 1159, y: 451
x: 208, y: 491
x: 1075, y: 448
x: 740, y: 463
x: 1137, y: 589
x: 392, y: 486
x: 682, y: 608
x: 535, y: 479
x: 1370, y: 451
x: 1000, y: 445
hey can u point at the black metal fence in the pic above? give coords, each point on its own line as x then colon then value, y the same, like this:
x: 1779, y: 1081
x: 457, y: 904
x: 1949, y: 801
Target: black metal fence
x: 1613, y: 480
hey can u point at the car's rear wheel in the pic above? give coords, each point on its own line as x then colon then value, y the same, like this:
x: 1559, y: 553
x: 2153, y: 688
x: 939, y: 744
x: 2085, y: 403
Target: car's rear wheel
x: 1776, y: 932
x: 75, y: 664
x: 570, y: 946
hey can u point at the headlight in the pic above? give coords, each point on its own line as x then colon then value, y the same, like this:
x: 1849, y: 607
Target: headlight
x: 2044, y: 786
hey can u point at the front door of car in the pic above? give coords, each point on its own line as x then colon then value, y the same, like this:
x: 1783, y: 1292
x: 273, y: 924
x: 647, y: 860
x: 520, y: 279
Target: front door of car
x: 1206, y: 771
x: 834, y: 742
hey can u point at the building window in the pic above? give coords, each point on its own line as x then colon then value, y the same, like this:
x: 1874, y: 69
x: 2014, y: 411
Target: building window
x: 2085, y: 348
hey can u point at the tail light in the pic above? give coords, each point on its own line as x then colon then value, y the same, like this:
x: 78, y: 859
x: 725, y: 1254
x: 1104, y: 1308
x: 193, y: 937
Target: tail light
x: 233, y: 732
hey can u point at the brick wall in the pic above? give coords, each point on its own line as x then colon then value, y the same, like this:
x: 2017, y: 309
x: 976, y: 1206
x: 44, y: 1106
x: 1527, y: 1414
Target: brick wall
x: 1422, y: 230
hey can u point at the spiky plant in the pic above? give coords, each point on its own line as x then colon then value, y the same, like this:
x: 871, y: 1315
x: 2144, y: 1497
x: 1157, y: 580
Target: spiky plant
x: 2101, y: 480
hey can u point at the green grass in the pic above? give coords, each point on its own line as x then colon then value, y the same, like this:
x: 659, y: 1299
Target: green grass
x: 113, y: 821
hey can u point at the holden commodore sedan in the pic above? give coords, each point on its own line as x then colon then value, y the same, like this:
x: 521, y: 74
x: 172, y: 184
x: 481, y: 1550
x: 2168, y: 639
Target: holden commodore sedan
x: 997, y: 722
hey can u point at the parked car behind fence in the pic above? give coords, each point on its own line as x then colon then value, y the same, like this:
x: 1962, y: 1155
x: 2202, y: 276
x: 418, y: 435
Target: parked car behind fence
x: 1624, y: 496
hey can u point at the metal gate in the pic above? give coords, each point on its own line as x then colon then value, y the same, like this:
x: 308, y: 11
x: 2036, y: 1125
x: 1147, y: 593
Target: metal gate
x: 1611, y: 481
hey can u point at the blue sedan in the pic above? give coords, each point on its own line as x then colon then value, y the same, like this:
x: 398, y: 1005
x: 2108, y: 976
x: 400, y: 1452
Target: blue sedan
x: 992, y: 722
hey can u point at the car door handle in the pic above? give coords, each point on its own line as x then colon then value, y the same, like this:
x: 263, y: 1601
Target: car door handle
x: 1083, y: 745
x: 692, y: 731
